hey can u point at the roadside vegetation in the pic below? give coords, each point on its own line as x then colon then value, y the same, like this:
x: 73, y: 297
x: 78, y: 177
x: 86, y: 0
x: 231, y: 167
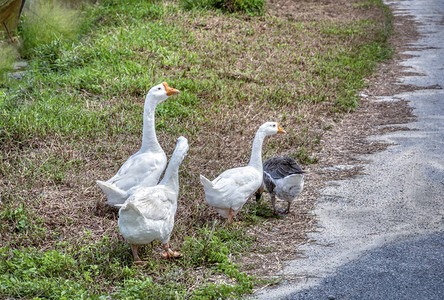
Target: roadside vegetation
x: 8, y: 56
x: 77, y: 116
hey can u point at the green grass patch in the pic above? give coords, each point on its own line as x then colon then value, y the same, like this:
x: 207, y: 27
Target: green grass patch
x: 45, y: 22
x: 93, y: 270
x: 8, y: 55
x: 251, y: 7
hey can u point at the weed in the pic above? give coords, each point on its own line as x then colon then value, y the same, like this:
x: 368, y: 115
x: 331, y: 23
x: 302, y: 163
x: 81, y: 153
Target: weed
x: 304, y: 157
x: 252, y: 7
x: 19, y: 224
x: 76, y: 272
x: 213, y: 248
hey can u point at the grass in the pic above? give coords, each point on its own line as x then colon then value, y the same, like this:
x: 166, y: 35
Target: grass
x: 77, y: 117
x: 8, y: 55
x: 45, y: 24
x: 251, y: 7
x: 94, y: 269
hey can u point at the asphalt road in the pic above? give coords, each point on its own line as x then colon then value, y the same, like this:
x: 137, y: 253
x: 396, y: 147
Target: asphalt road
x: 381, y: 235
x: 406, y: 270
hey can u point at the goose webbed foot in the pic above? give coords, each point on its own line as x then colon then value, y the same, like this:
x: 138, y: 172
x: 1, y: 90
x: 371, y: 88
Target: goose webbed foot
x: 170, y: 253
x: 285, y: 211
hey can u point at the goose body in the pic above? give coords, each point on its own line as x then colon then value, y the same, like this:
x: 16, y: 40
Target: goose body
x: 145, y: 167
x: 231, y: 189
x: 143, y: 219
x: 148, y: 214
x: 284, y: 178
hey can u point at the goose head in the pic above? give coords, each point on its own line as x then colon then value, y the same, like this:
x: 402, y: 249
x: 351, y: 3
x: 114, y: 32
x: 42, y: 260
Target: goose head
x: 181, y: 147
x: 159, y: 93
x: 270, y: 128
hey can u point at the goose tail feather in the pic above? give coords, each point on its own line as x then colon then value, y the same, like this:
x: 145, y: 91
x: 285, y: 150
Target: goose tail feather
x: 131, y: 206
x: 294, y: 182
x: 113, y: 193
x: 206, y: 182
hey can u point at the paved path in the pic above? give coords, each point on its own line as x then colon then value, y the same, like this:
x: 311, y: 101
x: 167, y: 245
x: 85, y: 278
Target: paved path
x: 381, y: 235
x: 407, y: 270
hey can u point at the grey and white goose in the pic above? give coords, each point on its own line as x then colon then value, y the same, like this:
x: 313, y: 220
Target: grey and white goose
x: 228, y: 192
x: 284, y: 178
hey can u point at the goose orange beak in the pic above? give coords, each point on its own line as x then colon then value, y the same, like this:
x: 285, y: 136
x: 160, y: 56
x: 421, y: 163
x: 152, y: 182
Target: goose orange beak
x: 170, y: 91
x: 280, y: 130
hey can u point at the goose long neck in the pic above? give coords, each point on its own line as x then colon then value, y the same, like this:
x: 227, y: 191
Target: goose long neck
x: 171, y: 177
x: 256, y: 151
x: 149, y: 138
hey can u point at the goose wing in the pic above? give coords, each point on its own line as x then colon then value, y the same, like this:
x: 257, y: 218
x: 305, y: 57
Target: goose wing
x: 140, y: 169
x: 281, y: 167
x: 154, y: 203
x: 269, y: 182
x: 233, y: 187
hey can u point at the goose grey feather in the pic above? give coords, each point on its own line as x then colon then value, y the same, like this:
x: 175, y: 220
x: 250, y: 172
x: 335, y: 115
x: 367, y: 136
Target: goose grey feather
x: 284, y: 178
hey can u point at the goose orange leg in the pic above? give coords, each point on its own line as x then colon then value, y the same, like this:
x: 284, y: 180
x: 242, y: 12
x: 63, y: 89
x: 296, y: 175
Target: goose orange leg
x: 230, y: 216
x: 273, y: 203
x: 288, y: 208
x: 137, y: 260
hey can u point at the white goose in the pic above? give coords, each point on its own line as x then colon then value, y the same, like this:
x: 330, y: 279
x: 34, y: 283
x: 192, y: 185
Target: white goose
x: 145, y: 167
x: 284, y: 178
x: 231, y: 189
x: 148, y: 214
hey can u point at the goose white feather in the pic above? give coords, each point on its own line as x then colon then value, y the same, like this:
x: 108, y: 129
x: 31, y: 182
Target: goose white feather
x: 145, y: 167
x: 231, y: 189
x: 148, y: 214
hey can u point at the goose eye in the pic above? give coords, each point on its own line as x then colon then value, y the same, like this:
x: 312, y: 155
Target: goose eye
x: 159, y: 88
